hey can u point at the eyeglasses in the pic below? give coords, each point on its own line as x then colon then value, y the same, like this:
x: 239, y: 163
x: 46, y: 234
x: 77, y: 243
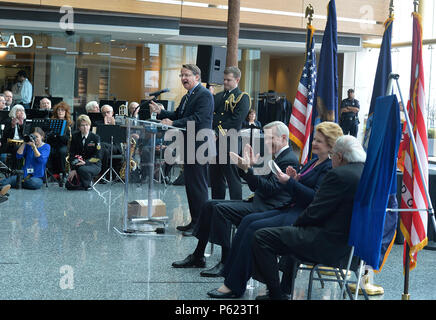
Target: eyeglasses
x: 185, y: 75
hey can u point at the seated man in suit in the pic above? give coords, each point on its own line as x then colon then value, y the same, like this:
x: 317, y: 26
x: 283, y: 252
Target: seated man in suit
x: 217, y: 216
x: 320, y: 233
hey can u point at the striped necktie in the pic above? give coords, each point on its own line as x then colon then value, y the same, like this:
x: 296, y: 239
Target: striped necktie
x: 182, y: 110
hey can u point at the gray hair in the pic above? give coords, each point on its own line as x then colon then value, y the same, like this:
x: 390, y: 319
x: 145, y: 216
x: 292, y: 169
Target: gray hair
x: 108, y: 107
x: 17, y: 107
x: 281, y: 128
x: 90, y: 105
x: 193, y: 68
x: 350, y: 148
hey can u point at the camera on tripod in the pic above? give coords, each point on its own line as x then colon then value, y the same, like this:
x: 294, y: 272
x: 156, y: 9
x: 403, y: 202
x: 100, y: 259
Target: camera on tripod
x: 30, y: 137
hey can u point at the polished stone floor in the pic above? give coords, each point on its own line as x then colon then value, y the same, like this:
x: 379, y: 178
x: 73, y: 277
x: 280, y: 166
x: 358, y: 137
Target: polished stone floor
x: 59, y: 244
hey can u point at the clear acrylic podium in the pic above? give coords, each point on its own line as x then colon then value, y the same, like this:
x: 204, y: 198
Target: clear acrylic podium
x: 139, y: 189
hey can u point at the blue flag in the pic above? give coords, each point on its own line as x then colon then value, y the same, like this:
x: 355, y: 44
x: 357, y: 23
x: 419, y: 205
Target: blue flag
x: 326, y: 91
x: 377, y: 183
x: 384, y: 68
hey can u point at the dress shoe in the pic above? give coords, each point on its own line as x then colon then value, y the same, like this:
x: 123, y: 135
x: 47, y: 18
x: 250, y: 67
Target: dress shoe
x: 221, y: 295
x: 188, y: 233
x: 214, y: 271
x: 3, y: 198
x: 267, y: 297
x: 190, y: 262
x: 5, y: 189
x: 185, y: 228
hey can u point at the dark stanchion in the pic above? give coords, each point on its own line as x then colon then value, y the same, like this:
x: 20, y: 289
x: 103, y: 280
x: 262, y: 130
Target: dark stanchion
x: 406, y: 295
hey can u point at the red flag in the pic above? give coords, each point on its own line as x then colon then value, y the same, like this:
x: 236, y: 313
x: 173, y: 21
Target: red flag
x: 414, y: 223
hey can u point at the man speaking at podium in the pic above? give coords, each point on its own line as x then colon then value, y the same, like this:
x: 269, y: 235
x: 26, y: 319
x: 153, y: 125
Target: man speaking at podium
x: 197, y: 105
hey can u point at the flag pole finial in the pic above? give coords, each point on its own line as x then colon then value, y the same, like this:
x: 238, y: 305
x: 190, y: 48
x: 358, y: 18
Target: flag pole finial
x: 309, y: 13
x: 415, y: 5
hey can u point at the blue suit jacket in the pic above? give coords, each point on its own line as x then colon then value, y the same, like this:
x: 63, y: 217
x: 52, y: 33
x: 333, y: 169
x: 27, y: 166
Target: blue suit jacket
x: 303, y: 191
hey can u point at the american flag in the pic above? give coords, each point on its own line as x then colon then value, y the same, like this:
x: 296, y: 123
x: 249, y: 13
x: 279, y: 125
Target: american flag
x: 301, y: 117
x: 413, y: 223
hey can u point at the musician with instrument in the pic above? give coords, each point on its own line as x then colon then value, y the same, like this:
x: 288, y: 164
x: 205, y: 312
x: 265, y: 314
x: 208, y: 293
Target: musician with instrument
x: 84, y: 156
x: 60, y: 144
x: 35, y: 153
x: 108, y: 119
x: 13, y: 133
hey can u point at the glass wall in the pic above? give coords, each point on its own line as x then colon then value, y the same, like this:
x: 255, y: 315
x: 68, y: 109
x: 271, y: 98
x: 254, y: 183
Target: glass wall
x: 85, y: 67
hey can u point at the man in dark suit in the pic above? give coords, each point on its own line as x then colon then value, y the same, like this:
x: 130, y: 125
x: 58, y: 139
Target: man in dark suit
x: 231, y: 108
x: 197, y: 107
x: 84, y: 154
x: 218, y: 215
x: 320, y: 233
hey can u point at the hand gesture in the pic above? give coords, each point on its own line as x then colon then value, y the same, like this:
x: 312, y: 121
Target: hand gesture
x: 249, y: 155
x: 155, y: 107
x: 242, y: 163
x: 292, y: 173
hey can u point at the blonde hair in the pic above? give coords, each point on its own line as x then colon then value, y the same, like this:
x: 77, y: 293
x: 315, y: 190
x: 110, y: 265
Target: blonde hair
x: 83, y: 118
x: 331, y: 131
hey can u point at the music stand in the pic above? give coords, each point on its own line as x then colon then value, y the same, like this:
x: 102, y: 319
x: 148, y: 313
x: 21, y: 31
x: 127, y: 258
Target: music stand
x: 37, y: 100
x: 4, y: 116
x: 95, y: 117
x: 38, y: 114
x: 115, y: 104
x: 111, y: 134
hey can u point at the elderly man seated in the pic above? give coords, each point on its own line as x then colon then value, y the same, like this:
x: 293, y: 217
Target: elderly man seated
x: 108, y: 119
x: 92, y: 107
x: 45, y: 104
x: 320, y: 233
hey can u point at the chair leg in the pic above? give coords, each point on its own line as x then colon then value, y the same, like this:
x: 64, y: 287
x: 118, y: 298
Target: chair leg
x: 309, y: 289
x: 344, y: 284
x: 359, y: 277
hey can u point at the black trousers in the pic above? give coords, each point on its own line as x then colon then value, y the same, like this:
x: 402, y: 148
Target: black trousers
x: 87, y: 172
x: 268, y: 243
x: 349, y: 126
x: 57, y: 159
x: 220, y: 174
x: 216, y: 219
x: 197, y: 189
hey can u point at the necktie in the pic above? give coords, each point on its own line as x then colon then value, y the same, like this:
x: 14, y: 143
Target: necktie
x: 83, y: 140
x: 226, y: 94
x: 182, y: 110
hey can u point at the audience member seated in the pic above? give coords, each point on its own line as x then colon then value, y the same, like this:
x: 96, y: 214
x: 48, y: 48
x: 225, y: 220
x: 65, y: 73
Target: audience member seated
x: 2, y: 102
x: 92, y: 107
x: 84, y: 156
x: 35, y: 153
x: 4, y: 193
x: 251, y: 120
x: 9, y: 97
x: 215, y: 220
x: 45, y: 104
x: 59, y: 144
x: 13, y: 133
x: 108, y: 119
x: 301, y: 187
x: 133, y: 109
x: 320, y: 234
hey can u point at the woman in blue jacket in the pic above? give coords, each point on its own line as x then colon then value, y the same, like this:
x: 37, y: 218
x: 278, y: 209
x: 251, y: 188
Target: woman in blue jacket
x: 35, y: 153
x: 301, y: 187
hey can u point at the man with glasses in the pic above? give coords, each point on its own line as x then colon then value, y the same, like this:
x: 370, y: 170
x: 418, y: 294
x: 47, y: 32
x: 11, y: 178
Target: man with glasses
x: 196, y: 106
